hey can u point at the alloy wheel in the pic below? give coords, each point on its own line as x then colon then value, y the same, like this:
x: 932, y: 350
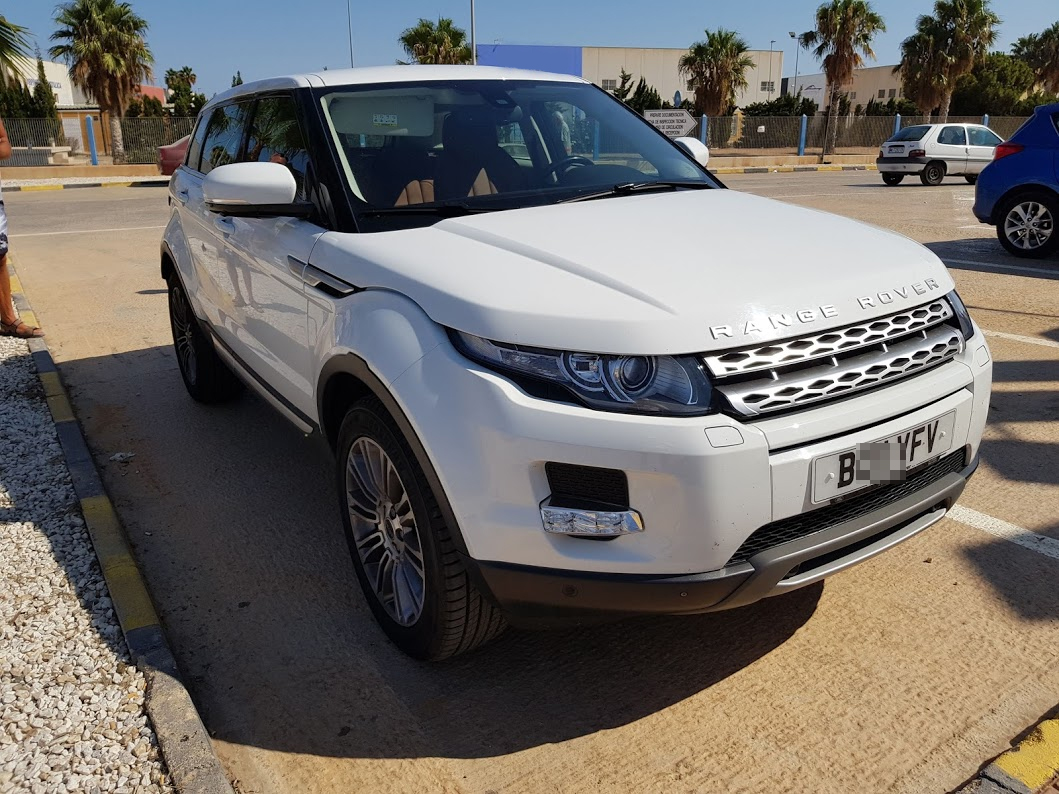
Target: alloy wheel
x: 183, y: 333
x: 1029, y: 225
x: 385, y: 531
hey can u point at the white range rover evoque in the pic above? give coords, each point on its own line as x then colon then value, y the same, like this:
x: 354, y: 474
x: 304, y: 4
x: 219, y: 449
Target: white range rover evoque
x: 565, y: 373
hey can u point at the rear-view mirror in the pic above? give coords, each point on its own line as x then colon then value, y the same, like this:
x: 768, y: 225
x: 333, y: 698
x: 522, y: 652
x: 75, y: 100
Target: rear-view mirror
x: 696, y: 149
x: 253, y: 189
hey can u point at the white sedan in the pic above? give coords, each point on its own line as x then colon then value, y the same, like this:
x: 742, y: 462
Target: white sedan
x: 935, y: 151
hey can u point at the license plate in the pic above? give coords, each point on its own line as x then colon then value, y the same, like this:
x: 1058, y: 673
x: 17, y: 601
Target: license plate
x: 885, y: 461
x: 896, y: 149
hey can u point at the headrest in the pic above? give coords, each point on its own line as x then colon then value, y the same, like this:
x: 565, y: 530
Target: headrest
x: 468, y: 131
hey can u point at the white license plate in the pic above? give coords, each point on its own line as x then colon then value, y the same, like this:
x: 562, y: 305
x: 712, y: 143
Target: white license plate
x: 896, y: 149
x: 883, y: 461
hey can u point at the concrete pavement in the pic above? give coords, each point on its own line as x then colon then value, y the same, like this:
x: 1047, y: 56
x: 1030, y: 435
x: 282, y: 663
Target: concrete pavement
x: 904, y: 674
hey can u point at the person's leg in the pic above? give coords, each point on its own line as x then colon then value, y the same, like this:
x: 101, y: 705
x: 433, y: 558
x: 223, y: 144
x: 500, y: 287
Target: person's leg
x: 10, y: 324
x: 7, y: 309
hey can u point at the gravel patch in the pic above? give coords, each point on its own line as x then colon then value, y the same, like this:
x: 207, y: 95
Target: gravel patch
x: 79, y: 180
x: 71, y: 705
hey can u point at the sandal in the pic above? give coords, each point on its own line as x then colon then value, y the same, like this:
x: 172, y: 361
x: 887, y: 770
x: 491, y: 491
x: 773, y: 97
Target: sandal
x: 20, y: 329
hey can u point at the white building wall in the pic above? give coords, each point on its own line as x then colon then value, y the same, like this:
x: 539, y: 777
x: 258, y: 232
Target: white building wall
x: 660, y: 68
x: 57, y: 74
x: 866, y: 85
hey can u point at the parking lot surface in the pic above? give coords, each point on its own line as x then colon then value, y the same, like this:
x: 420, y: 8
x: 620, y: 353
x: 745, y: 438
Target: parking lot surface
x: 904, y: 674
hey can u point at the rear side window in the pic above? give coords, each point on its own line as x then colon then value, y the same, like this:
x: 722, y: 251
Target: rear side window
x: 276, y: 137
x: 191, y: 160
x: 953, y: 136
x: 981, y: 136
x: 915, y: 133
x: 223, y: 136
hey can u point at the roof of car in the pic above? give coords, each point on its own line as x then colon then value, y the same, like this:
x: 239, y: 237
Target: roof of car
x: 395, y: 75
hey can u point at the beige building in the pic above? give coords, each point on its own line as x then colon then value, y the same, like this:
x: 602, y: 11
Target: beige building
x: 660, y: 68
x: 874, y: 82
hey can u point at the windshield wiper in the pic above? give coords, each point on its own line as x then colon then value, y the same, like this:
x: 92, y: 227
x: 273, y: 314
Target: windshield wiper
x: 452, y: 210
x: 629, y: 188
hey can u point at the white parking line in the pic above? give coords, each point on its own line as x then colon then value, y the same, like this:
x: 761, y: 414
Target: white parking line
x: 1031, y: 340
x: 1049, y: 547
x: 1033, y: 271
x: 88, y: 231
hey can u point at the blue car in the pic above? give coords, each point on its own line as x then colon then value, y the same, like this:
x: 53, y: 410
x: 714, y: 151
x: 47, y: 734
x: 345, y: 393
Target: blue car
x: 1019, y: 191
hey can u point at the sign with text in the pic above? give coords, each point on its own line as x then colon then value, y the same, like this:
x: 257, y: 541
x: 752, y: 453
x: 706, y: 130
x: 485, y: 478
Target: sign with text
x: 674, y: 123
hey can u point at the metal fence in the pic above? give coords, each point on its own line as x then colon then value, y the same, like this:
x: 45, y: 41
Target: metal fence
x: 143, y: 136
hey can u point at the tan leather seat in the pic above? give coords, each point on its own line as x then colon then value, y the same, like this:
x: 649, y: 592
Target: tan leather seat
x: 418, y: 191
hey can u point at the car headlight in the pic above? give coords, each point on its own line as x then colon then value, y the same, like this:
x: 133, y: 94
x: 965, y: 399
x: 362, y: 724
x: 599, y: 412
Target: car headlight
x: 962, y: 315
x: 660, y: 385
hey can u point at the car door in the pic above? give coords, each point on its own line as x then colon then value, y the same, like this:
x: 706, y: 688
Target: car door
x: 981, y: 144
x: 265, y: 258
x: 950, y: 145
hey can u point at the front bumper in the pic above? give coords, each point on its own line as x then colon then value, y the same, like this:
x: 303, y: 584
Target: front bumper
x: 528, y: 594
x: 900, y: 165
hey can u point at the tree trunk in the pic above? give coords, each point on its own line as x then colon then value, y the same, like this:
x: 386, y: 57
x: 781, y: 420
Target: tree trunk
x: 943, y: 113
x: 831, y: 135
x: 117, y: 142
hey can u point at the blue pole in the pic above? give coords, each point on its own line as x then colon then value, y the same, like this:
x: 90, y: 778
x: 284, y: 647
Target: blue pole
x: 704, y: 128
x: 897, y: 123
x: 985, y: 120
x: 801, y: 135
x: 595, y: 140
x: 91, y: 140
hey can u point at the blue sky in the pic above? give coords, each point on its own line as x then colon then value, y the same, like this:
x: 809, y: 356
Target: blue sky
x: 269, y: 37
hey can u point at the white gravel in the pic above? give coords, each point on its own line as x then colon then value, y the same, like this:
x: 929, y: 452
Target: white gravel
x: 71, y: 705
x: 77, y: 180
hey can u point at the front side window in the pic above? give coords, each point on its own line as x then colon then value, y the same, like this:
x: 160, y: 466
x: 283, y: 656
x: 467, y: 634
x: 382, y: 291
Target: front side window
x: 493, y: 145
x: 983, y: 136
x: 276, y: 137
x: 224, y: 136
x: 952, y: 136
x: 194, y: 152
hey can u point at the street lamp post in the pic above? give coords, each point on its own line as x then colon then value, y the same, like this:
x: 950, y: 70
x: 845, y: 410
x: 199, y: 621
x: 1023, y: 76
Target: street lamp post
x: 797, y: 52
x: 771, y: 45
x: 474, y: 38
x: 349, y: 27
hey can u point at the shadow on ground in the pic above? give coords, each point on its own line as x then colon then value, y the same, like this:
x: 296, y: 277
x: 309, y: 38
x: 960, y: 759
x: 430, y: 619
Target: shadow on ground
x: 986, y: 255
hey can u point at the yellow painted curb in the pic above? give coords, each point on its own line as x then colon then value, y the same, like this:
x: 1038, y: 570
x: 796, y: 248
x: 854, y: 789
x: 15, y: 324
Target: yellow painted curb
x: 829, y: 168
x: 127, y: 591
x: 28, y: 317
x: 36, y: 188
x: 1035, y: 761
x: 727, y: 170
x: 55, y: 394
x: 783, y: 169
x: 116, y: 184
x: 16, y: 286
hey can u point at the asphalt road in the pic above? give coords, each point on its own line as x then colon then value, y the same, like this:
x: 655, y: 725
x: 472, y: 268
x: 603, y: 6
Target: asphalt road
x: 903, y: 674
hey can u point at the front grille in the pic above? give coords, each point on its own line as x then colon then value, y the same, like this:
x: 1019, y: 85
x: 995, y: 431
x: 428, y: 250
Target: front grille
x: 805, y: 524
x: 811, y: 369
x: 587, y: 485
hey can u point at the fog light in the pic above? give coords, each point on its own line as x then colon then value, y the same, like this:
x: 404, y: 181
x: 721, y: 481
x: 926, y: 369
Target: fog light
x: 590, y: 523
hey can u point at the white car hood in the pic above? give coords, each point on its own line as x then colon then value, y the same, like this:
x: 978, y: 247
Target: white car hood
x: 684, y: 272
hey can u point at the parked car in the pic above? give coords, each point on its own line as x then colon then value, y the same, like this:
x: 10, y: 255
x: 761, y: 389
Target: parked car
x: 537, y: 411
x: 1019, y: 191
x: 170, y: 157
x: 935, y: 151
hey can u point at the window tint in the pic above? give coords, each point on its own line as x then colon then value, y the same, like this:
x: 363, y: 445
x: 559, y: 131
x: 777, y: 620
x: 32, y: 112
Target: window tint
x: 953, y: 136
x: 1055, y: 121
x: 981, y: 136
x: 223, y: 135
x: 191, y: 160
x: 915, y: 133
x: 276, y: 137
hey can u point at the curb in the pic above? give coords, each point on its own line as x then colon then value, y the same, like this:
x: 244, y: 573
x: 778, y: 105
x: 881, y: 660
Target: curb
x: 186, y: 747
x: 1026, y: 768
x: 788, y: 169
x: 77, y: 185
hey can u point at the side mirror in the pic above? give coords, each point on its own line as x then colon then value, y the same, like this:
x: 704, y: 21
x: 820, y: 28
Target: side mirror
x: 253, y: 190
x: 695, y: 149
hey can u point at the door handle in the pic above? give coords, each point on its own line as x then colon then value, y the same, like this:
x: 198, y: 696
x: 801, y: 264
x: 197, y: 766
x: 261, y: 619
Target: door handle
x: 226, y: 225
x: 182, y: 196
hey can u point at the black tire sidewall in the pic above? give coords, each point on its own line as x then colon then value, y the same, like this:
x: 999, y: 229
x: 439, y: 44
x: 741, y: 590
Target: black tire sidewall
x: 928, y: 179
x: 214, y: 381
x: 423, y: 638
x: 893, y: 179
x: 1051, y: 202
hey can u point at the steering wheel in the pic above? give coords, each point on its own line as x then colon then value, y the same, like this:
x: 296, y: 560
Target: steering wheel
x: 565, y: 164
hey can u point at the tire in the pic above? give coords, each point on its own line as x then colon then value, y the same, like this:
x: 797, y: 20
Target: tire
x: 933, y: 174
x: 893, y: 179
x: 971, y: 178
x: 1026, y: 224
x: 206, y: 377
x: 392, y: 520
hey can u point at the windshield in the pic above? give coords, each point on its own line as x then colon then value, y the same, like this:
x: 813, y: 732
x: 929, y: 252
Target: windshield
x: 416, y: 149
x: 915, y: 133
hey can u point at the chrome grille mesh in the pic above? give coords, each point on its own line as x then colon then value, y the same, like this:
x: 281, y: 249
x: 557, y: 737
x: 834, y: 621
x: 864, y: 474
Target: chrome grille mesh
x: 833, y: 364
x: 806, y: 348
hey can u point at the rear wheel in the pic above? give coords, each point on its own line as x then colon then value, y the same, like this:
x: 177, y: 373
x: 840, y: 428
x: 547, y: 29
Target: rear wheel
x: 1026, y: 224
x: 402, y: 549
x: 893, y: 179
x: 932, y: 174
x: 206, y: 377
x: 971, y: 178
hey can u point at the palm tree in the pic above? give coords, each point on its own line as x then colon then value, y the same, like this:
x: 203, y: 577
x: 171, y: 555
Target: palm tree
x: 842, y: 39
x: 180, y: 77
x: 921, y: 68
x: 14, y: 48
x: 102, y: 41
x: 716, y: 68
x: 436, y: 43
x: 1040, y: 51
